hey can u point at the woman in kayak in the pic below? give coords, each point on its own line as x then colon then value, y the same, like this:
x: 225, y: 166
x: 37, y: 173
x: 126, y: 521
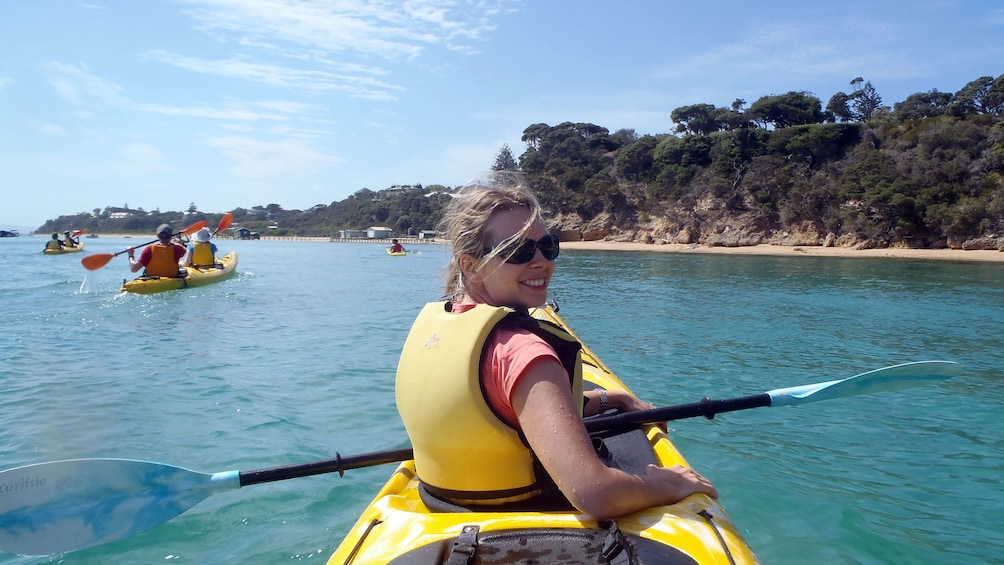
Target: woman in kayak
x: 491, y: 398
x: 201, y: 251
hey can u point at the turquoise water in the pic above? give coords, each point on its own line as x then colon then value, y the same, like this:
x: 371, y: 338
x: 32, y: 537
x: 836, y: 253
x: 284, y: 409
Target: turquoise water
x: 293, y: 360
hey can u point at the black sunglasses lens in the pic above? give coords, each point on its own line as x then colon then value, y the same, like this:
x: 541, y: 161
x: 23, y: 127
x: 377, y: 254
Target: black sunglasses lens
x: 549, y: 247
x: 525, y: 252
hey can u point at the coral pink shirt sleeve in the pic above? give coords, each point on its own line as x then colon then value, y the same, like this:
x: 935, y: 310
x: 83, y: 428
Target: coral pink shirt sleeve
x: 513, y: 350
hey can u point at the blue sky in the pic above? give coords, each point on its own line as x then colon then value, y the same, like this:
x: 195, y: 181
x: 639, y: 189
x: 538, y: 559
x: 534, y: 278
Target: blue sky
x: 156, y: 104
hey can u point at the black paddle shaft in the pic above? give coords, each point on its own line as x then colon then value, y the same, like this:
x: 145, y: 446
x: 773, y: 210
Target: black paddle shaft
x: 706, y: 407
x: 338, y: 464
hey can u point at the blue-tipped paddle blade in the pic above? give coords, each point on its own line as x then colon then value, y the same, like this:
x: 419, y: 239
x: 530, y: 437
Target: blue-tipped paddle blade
x: 888, y: 379
x: 61, y: 506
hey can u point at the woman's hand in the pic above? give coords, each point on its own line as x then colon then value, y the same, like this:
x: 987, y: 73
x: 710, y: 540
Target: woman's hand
x: 626, y: 402
x: 679, y: 482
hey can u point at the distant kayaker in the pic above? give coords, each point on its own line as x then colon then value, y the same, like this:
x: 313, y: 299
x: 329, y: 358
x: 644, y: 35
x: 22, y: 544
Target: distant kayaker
x: 491, y: 397
x: 201, y: 251
x: 54, y: 244
x: 396, y: 247
x: 160, y: 259
x: 68, y: 239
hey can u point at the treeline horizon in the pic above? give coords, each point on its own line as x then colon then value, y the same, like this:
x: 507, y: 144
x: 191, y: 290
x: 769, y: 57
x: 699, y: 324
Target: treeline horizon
x: 925, y: 172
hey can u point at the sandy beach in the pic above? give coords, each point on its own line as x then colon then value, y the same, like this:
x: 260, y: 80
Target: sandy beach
x: 795, y: 251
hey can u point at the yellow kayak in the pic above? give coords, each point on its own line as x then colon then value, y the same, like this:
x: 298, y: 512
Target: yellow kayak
x: 398, y: 528
x: 65, y: 249
x: 396, y: 253
x: 195, y: 276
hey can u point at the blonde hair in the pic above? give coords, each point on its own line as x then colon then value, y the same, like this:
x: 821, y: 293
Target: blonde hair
x: 467, y: 215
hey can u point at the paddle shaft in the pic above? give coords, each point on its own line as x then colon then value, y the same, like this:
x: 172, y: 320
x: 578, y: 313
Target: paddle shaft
x: 338, y: 464
x: 98, y: 260
x: 893, y: 378
x: 706, y: 407
x: 187, y: 231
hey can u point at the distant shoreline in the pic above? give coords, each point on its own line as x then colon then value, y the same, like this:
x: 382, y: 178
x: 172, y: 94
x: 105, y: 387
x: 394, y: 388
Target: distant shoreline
x: 982, y: 256
x: 793, y: 251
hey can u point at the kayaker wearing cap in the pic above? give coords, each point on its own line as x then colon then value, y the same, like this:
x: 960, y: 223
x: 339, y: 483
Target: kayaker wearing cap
x: 201, y: 252
x: 161, y: 258
x: 54, y: 244
x: 68, y: 239
x: 491, y: 397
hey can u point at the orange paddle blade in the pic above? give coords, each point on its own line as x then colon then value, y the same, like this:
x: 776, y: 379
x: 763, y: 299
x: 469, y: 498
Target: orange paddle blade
x: 193, y: 228
x: 224, y: 222
x: 96, y: 261
x: 78, y: 233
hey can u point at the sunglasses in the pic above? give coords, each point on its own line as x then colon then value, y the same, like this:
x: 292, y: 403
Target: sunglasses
x: 522, y: 251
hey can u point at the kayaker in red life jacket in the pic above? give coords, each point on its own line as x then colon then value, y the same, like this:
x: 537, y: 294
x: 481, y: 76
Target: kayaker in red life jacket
x: 160, y: 259
x: 396, y: 247
x: 451, y: 402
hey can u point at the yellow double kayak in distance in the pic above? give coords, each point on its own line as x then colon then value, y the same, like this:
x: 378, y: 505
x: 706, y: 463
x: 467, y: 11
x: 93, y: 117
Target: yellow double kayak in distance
x: 65, y: 249
x: 195, y: 276
x: 399, y: 527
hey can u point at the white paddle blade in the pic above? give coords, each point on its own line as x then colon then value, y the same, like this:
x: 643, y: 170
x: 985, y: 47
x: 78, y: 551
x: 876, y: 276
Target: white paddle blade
x: 61, y: 506
x: 888, y: 379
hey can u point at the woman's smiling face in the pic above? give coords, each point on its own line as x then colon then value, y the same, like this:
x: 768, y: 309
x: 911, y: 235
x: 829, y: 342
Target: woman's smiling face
x: 504, y: 284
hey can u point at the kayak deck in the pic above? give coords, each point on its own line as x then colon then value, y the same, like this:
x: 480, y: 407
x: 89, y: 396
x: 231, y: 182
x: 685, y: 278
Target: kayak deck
x: 196, y: 276
x: 399, y: 528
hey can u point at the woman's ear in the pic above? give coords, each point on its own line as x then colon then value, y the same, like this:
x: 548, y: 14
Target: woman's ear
x: 469, y: 267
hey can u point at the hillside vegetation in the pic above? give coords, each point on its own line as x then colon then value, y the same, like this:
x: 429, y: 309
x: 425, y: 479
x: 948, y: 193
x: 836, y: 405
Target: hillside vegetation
x: 926, y: 172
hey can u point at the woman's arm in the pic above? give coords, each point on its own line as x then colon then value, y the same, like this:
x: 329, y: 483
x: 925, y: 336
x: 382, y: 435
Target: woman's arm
x: 554, y: 430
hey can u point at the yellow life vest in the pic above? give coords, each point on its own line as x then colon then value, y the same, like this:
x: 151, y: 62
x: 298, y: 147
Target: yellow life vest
x: 464, y: 452
x: 163, y: 262
x: 53, y: 244
x: 202, y: 254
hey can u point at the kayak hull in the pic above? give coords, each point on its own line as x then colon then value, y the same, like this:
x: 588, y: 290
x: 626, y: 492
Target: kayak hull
x: 64, y: 250
x: 399, y: 528
x: 195, y: 277
x: 396, y: 253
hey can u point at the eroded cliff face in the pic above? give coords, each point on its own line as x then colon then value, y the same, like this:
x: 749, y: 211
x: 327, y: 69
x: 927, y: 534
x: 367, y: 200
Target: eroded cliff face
x: 713, y: 223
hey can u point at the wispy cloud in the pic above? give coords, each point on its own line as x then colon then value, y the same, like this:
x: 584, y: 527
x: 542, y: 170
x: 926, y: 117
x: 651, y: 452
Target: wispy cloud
x: 354, y: 80
x: 79, y: 86
x: 381, y: 28
x: 255, y: 158
x: 50, y: 129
